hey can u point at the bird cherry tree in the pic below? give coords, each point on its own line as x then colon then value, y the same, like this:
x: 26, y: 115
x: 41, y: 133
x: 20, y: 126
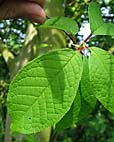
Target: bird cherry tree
x: 61, y: 87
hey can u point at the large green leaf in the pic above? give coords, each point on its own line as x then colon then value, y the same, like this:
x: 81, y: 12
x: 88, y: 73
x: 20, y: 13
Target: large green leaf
x: 44, y: 90
x: 101, y: 70
x: 97, y: 24
x: 62, y: 23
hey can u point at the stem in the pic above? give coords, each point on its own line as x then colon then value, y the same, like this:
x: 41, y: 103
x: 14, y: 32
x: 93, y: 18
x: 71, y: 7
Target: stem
x: 72, y: 38
x: 88, y: 38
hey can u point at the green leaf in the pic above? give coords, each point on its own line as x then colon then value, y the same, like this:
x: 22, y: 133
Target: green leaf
x: 71, y: 116
x: 97, y: 24
x: 88, y: 100
x: 44, y: 90
x: 101, y: 70
x: 84, y: 102
x: 62, y: 23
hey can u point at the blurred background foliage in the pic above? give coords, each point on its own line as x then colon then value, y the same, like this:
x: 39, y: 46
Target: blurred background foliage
x: 18, y: 45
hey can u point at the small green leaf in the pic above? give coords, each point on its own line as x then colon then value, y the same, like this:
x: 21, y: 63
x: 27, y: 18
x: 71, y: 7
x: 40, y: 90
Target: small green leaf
x: 101, y: 71
x: 97, y: 24
x: 62, y: 23
x: 44, y: 90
